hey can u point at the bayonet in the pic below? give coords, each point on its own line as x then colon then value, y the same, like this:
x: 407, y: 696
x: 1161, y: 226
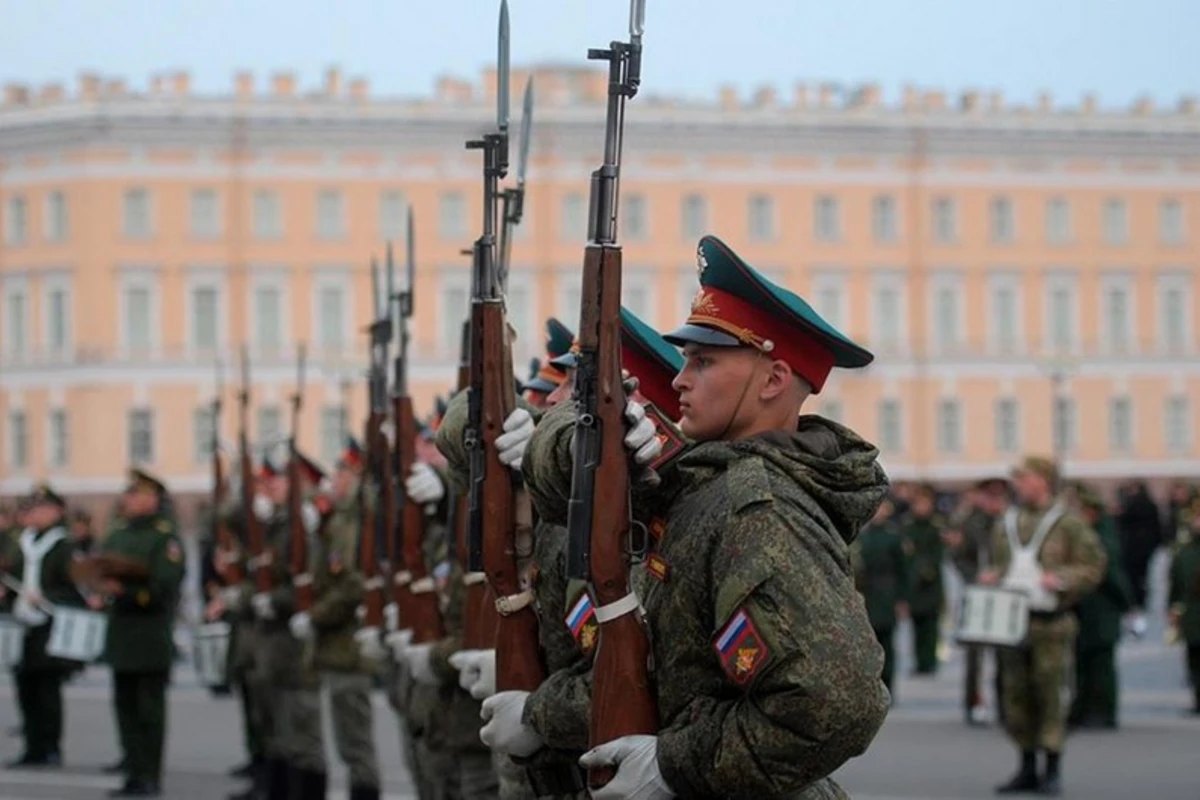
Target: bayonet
x: 502, y: 65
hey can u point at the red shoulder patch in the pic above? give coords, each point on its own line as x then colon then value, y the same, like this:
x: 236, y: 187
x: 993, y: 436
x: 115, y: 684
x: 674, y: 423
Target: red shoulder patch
x: 658, y: 567
x: 740, y: 648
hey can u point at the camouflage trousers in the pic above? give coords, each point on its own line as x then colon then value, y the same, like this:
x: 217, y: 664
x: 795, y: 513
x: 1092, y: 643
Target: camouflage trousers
x: 353, y: 725
x: 473, y: 778
x: 298, y: 730
x: 1036, y: 686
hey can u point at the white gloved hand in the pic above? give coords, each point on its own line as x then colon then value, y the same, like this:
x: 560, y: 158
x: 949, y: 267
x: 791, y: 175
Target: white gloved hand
x: 511, y: 444
x: 264, y: 609
x: 391, y: 617
x: 369, y: 646
x: 638, y: 776
x: 263, y: 507
x: 424, y: 485
x: 301, y: 626
x: 504, y: 732
x: 398, y: 641
x: 642, y: 438
x: 28, y: 614
x: 310, y: 517
x: 420, y: 666
x: 476, y: 672
x: 231, y: 598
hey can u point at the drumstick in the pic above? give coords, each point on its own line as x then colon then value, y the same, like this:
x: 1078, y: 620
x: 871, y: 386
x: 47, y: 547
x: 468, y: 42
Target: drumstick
x: 19, y: 588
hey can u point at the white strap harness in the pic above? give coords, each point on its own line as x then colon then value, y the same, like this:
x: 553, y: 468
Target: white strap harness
x: 1024, y: 572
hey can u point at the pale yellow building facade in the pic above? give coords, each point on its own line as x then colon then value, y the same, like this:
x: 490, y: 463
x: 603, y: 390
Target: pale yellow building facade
x: 1028, y: 277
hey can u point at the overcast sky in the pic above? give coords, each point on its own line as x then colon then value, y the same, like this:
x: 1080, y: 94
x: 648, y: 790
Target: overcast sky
x: 1118, y: 49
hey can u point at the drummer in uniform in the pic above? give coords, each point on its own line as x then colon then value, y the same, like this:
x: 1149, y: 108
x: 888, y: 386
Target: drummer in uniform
x: 142, y: 605
x: 41, y: 563
x: 1048, y: 552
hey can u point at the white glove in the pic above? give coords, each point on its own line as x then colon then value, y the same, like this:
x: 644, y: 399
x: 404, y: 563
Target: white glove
x: 642, y: 438
x: 301, y: 626
x: 391, y: 617
x: 263, y: 507
x: 28, y: 614
x: 636, y: 760
x: 511, y: 444
x: 310, y: 517
x: 504, y: 732
x: 398, y: 641
x: 231, y: 597
x: 369, y: 646
x: 263, y: 608
x: 424, y: 485
x: 476, y: 672
x: 417, y: 656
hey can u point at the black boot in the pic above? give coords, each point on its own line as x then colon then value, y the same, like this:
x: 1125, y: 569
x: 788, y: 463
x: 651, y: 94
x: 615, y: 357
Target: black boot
x: 278, y: 776
x: 1026, y: 779
x: 364, y: 793
x: 1051, y: 783
x: 316, y: 784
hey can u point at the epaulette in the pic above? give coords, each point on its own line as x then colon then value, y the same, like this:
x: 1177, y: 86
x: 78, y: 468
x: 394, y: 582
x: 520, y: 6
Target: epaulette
x: 748, y: 484
x: 163, y: 525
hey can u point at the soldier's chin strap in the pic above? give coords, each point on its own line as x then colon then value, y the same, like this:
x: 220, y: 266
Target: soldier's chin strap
x: 741, y: 397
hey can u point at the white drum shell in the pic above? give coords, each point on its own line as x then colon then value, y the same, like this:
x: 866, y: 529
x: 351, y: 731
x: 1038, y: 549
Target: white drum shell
x: 992, y: 615
x: 211, y: 653
x: 77, y: 634
x: 12, y: 643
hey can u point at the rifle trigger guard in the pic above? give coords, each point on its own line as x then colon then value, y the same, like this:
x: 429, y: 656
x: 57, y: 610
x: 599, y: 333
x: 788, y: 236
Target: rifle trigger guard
x: 639, y: 540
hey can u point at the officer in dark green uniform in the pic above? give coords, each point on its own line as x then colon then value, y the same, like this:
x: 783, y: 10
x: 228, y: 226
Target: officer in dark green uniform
x: 141, y: 616
x: 1095, y: 704
x: 882, y: 577
x: 40, y: 563
x: 1183, y: 598
x: 922, y: 529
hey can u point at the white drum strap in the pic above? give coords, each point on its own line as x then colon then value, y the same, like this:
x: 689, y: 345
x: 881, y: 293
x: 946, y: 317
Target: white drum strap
x: 34, y: 550
x: 1039, y: 534
x: 626, y: 605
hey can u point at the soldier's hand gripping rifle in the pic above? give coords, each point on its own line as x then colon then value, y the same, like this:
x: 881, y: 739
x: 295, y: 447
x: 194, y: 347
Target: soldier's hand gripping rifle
x: 260, y: 558
x: 492, y: 506
x: 377, y: 513
x: 227, y: 554
x: 599, y: 522
x: 415, y: 590
x: 298, y: 562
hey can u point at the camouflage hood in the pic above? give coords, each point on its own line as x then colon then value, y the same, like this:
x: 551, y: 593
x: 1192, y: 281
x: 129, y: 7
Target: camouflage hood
x: 820, y: 463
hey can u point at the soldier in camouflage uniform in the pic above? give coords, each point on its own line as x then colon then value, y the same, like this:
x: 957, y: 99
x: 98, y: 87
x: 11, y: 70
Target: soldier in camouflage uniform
x: 1045, y: 550
x: 922, y: 529
x: 881, y: 574
x: 329, y: 628
x: 767, y: 670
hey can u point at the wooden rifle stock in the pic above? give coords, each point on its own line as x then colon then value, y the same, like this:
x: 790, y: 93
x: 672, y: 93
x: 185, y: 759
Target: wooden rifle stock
x: 417, y: 598
x: 263, y: 580
x: 369, y: 517
x: 226, y: 556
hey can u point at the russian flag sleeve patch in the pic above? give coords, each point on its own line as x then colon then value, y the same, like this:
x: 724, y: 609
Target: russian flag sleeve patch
x: 740, y: 648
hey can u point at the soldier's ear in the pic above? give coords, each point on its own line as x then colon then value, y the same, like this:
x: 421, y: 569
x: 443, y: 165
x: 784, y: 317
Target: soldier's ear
x: 779, y: 380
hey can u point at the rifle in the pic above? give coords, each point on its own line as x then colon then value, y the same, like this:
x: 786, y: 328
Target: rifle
x: 299, y: 566
x: 512, y: 200
x: 492, y: 518
x: 376, y: 517
x: 226, y: 556
x: 599, y: 511
x: 414, y: 588
x: 260, y: 557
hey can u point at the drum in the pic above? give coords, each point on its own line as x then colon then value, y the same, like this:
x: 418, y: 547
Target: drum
x: 77, y: 634
x: 211, y: 653
x: 12, y: 643
x: 992, y: 615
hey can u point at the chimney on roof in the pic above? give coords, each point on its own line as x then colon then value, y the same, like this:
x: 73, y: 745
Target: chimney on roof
x: 969, y: 101
x: 729, y: 98
x: 935, y: 101
x: 1045, y: 103
x: 452, y: 91
x: 765, y: 97
x: 800, y: 95
x: 825, y: 94
x: 866, y: 96
x: 156, y: 85
x: 912, y: 98
x: 996, y: 101
x: 16, y: 94
x: 1143, y: 106
x: 333, y: 81
x: 1088, y: 106
x: 52, y: 93
x: 1187, y: 104
x: 89, y: 86
x: 360, y: 90
x: 243, y: 85
x: 181, y: 84
x: 283, y: 84
x: 116, y: 88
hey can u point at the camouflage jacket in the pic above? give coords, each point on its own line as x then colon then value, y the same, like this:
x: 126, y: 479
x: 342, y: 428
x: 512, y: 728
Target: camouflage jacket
x: 337, y: 589
x: 767, y: 670
x: 1071, y: 550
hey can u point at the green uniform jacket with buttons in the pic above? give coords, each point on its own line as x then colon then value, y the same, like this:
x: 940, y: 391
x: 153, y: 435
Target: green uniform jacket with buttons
x: 1100, y: 611
x: 338, y: 590
x: 881, y: 572
x: 924, y: 537
x: 141, y: 616
x: 1184, y: 589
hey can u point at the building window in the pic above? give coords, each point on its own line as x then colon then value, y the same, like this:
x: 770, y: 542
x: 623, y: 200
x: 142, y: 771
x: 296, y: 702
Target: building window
x: 1061, y: 316
x: 136, y: 207
x: 1003, y: 224
x: 59, y: 438
x: 58, y: 224
x: 1063, y: 425
x: 268, y: 215
x: 138, y: 312
x: 1058, y: 221
x: 949, y: 426
x: 888, y: 318
x: 452, y: 217
x: 1005, y: 318
x: 455, y: 302
x: 1116, y: 222
x: 1008, y: 431
x: 1170, y: 221
x: 827, y: 222
x: 1177, y: 427
x: 331, y: 317
x: 17, y: 323
x: 268, y: 319
x: 205, y: 214
x: 884, y: 225
x: 204, y: 318
x: 636, y: 293
x: 18, y: 440
x: 334, y: 431
x: 1174, y: 327
x: 141, y: 436
x: 393, y: 216
x: 16, y: 221
x: 891, y: 436
x: 268, y: 425
x: 832, y: 410
x: 518, y: 310
x: 573, y: 223
x: 202, y: 434
x: 829, y: 304
x: 694, y: 221
x: 633, y: 218
x: 948, y: 323
x: 58, y: 320
x: 331, y: 215
x: 945, y: 220
x: 1118, y: 330
x: 1120, y: 425
x: 762, y: 218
